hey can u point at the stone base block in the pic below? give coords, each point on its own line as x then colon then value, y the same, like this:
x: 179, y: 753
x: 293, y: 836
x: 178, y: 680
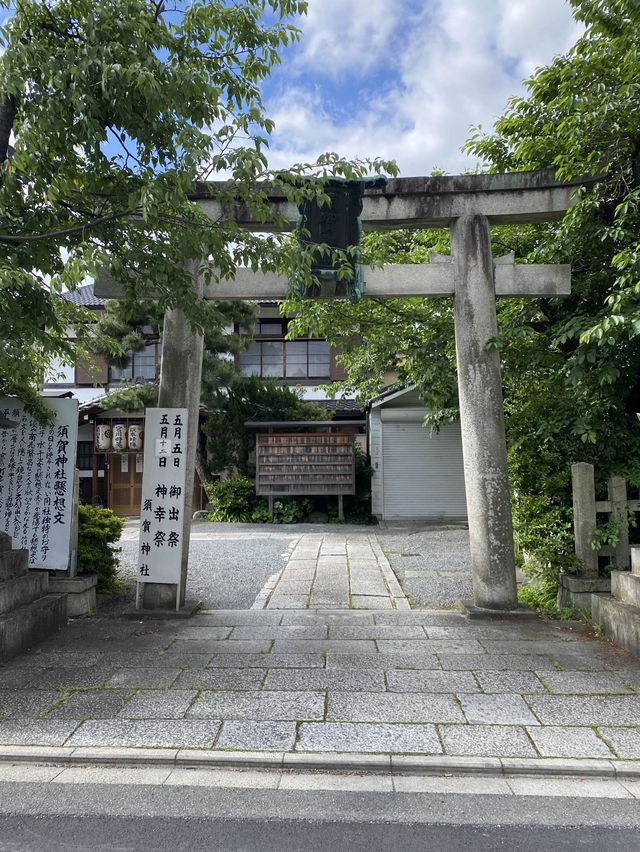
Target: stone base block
x: 479, y: 612
x: 625, y: 587
x: 29, y: 624
x: 188, y: 608
x: 81, y: 592
x: 619, y: 621
x: 574, y: 592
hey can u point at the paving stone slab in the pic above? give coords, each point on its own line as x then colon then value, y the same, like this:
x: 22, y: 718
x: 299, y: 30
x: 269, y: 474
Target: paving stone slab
x: 267, y: 661
x: 276, y: 706
x: 585, y: 683
x: 388, y: 662
x: 158, y: 704
x: 577, y: 663
x: 426, y: 617
x: 428, y: 646
x: 321, y: 646
x: 29, y: 703
x: 385, y: 707
x: 327, y: 618
x: 513, y: 682
x: 161, y: 661
x: 368, y: 738
x: 568, y: 742
x: 143, y: 678
x: 147, y: 775
x: 232, y: 778
x: 236, y: 617
x: 289, y: 631
x: 431, y: 681
x: 528, y: 646
x: 92, y: 704
x: 43, y: 732
x: 486, y: 740
x: 46, y: 659
x: 223, y: 646
x: 374, y: 631
x: 586, y: 710
x: 287, y: 601
x: 624, y: 741
x: 204, y: 632
x: 15, y: 678
x: 371, y: 602
x: 495, y: 662
x: 289, y: 586
x: 176, y: 733
x: 72, y: 678
x: 497, y: 710
x: 362, y: 680
x: 581, y: 788
x: 224, y: 679
x: 257, y: 736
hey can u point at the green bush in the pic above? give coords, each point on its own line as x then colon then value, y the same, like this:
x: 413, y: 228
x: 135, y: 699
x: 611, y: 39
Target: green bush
x: 98, y: 529
x: 288, y: 510
x: 234, y: 499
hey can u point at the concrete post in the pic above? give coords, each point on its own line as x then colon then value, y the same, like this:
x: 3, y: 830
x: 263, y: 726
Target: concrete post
x: 180, y: 377
x: 482, y: 416
x: 584, y: 516
x: 617, y: 493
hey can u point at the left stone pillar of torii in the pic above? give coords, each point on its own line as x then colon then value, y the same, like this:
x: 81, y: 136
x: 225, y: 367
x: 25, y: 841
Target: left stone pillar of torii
x: 180, y: 377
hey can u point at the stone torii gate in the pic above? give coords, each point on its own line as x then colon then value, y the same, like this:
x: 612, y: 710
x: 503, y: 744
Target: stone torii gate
x: 467, y: 205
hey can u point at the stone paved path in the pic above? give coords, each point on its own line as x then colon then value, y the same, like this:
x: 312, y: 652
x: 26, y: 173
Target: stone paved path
x: 334, y: 571
x: 426, y: 683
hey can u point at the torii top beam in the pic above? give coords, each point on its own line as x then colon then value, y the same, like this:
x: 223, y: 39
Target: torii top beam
x: 426, y: 202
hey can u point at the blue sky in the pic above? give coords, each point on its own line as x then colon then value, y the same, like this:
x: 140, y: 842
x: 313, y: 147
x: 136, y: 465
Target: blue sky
x: 406, y: 79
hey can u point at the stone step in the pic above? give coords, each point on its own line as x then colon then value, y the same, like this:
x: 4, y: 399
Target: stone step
x: 355, y: 617
x: 27, y: 625
x: 617, y: 620
x: 13, y: 563
x: 22, y: 590
x: 625, y: 587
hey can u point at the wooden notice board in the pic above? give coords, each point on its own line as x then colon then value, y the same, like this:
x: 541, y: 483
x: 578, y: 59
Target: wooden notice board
x: 298, y: 465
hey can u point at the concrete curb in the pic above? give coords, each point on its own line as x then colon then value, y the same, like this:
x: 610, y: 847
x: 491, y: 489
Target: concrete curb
x: 396, y: 764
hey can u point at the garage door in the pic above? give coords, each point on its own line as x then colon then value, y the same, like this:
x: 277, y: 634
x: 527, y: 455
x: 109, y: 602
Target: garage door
x: 423, y: 475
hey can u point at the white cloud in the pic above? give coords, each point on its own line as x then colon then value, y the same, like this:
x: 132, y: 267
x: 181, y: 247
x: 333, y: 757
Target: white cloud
x: 347, y: 34
x: 456, y: 65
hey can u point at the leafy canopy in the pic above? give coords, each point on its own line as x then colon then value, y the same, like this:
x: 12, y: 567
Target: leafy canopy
x: 116, y: 109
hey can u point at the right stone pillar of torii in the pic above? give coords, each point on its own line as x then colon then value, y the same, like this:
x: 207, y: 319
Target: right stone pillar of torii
x: 484, y: 445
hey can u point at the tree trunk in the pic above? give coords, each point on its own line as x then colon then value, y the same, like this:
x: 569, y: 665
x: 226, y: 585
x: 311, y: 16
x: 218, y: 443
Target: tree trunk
x: 8, y: 109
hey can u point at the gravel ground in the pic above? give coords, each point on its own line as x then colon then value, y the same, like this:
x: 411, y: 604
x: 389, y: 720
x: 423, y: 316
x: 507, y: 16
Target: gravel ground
x: 431, y: 563
x: 225, y: 573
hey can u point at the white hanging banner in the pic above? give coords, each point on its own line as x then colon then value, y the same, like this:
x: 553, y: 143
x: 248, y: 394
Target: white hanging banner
x: 37, y: 467
x: 163, y: 495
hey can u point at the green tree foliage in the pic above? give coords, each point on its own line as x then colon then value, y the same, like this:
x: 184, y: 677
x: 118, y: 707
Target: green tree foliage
x: 229, y: 442
x: 118, y: 112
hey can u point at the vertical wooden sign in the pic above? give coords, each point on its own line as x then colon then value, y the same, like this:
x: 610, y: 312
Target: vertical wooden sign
x: 163, y: 496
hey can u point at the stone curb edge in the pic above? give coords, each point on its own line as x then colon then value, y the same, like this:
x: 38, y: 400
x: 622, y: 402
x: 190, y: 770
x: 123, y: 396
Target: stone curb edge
x: 397, y: 764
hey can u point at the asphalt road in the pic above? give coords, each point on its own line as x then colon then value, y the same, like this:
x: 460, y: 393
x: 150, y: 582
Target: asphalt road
x: 117, y: 818
x: 107, y: 834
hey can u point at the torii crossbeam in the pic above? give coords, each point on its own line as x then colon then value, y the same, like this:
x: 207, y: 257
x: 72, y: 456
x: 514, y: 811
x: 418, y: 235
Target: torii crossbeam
x: 467, y: 205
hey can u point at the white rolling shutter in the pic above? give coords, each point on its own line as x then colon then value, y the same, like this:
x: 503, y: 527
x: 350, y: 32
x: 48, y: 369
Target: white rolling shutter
x: 423, y: 475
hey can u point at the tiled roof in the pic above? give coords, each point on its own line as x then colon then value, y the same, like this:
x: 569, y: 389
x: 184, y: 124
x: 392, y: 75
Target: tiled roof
x: 339, y: 406
x: 84, y: 296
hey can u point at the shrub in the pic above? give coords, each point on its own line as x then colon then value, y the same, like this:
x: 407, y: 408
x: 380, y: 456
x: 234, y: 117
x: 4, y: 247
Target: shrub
x: 233, y: 499
x: 98, y: 529
x: 288, y: 510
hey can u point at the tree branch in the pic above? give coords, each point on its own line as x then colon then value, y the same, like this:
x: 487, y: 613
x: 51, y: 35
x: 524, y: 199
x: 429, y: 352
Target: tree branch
x: 64, y: 232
